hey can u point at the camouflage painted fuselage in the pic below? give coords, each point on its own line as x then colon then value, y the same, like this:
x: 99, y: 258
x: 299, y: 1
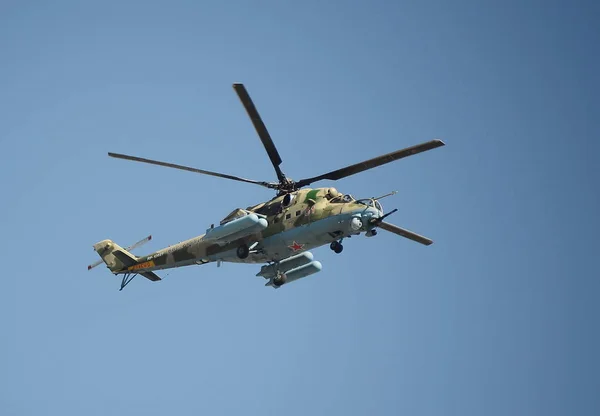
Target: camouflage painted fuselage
x: 297, y: 222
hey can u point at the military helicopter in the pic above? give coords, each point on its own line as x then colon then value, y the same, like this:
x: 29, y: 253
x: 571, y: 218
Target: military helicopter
x: 279, y: 232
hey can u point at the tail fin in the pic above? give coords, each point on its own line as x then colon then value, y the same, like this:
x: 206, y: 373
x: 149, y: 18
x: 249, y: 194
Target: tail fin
x: 115, y: 256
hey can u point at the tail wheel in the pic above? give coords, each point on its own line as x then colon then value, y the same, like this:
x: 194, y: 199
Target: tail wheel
x: 243, y: 251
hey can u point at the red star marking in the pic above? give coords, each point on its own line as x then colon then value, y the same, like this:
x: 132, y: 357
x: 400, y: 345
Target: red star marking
x: 296, y: 246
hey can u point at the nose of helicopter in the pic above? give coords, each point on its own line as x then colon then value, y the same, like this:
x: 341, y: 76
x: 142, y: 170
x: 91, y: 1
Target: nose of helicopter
x: 371, y: 213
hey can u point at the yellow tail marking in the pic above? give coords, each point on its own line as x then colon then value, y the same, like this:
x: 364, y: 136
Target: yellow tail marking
x: 144, y: 265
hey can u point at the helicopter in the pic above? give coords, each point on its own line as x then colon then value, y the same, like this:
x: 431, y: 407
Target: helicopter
x: 278, y: 233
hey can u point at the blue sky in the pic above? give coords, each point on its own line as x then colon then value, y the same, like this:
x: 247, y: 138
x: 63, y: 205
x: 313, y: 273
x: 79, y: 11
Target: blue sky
x: 498, y: 317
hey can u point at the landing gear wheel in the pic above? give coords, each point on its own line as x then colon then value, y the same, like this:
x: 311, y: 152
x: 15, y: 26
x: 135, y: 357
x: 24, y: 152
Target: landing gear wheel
x: 336, y: 246
x: 243, y: 251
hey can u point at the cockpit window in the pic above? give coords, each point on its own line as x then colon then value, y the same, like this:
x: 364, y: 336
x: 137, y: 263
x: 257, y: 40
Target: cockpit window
x: 342, y: 199
x: 332, y: 193
x: 370, y: 203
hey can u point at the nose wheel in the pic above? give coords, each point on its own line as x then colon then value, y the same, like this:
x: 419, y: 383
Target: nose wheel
x: 336, y: 246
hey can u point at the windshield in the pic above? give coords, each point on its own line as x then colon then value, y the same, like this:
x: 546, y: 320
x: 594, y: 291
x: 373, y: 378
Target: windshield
x: 370, y: 203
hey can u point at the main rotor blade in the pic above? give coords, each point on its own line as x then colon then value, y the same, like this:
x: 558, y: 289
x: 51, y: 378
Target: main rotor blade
x: 405, y: 233
x: 204, y: 172
x: 264, y: 135
x: 372, y: 163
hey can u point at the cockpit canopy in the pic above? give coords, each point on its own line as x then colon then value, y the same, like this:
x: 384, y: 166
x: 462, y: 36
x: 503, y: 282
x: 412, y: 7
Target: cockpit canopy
x: 370, y: 203
x: 338, y: 197
x: 332, y: 193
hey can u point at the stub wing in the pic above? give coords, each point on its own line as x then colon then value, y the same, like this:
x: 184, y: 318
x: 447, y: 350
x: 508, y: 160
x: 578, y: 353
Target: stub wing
x: 238, y: 224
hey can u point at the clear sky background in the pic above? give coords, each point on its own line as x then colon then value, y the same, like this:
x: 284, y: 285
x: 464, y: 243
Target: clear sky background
x: 498, y: 317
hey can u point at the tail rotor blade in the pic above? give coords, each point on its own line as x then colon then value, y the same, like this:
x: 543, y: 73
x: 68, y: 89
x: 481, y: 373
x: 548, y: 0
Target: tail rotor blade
x: 91, y: 266
x: 131, y: 247
x: 139, y: 243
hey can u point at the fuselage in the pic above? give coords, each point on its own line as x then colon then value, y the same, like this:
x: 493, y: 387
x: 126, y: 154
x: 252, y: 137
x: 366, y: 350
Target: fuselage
x: 272, y: 231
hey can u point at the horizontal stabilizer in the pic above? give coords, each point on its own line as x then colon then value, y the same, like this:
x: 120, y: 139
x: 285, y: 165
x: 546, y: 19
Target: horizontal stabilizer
x: 405, y: 233
x: 125, y: 258
x: 151, y: 276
